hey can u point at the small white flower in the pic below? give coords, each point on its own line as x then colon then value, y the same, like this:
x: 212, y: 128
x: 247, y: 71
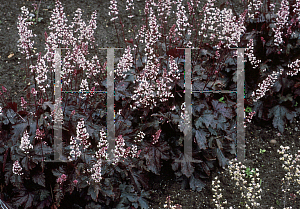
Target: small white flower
x: 17, y: 169
x: 25, y: 143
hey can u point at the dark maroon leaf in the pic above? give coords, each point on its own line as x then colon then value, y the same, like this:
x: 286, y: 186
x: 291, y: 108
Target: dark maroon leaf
x: 201, y: 138
x: 280, y: 114
x: 196, y: 184
x: 93, y: 191
x: 222, y: 123
x: 58, y: 194
x: 143, y: 202
x: 42, y: 149
x: 39, y: 178
x: 8, y: 173
x: 205, y: 168
x: 45, y: 203
x: 154, y: 154
x: 138, y: 179
x: 223, y: 109
x: 58, y: 172
x: 18, y: 131
x: 206, y: 118
x: 223, y: 161
x: 23, y: 113
x: 12, y: 105
x: 175, y: 52
x: 186, y: 166
x: 24, y: 198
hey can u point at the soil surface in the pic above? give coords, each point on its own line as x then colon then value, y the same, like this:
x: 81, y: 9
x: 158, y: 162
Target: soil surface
x: 258, y: 135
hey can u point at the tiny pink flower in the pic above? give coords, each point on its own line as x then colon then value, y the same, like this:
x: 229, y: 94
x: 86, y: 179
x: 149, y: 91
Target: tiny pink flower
x: 59, y: 180
x: 4, y: 89
x: 39, y: 134
x: 33, y: 91
x: 23, y: 102
x: 75, y: 181
x: 138, y: 153
x: 156, y: 137
x: 63, y: 177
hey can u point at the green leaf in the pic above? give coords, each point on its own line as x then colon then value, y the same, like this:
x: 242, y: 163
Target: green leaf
x: 248, y: 109
x: 222, y: 99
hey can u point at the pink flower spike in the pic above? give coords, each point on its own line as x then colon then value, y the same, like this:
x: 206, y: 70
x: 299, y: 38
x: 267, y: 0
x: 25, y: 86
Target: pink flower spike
x: 23, y: 102
x: 4, y: 89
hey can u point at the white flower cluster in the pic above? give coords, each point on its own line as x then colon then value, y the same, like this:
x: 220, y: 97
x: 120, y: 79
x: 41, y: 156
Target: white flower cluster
x: 83, y: 87
x: 252, y: 192
x: 96, y: 171
x: 41, y: 70
x: 184, y: 117
x: 217, y: 193
x: 181, y: 19
x: 125, y: 63
x: 253, y: 8
x: 128, y: 4
x: 297, y: 9
x: 295, y: 66
x: 210, y: 17
x: 25, y: 143
x: 281, y: 21
x: 61, y: 35
x: 222, y: 25
x: 82, y: 134
x: 120, y: 150
x: 162, y: 92
x: 100, y: 154
x: 165, y: 5
x: 140, y: 135
x: 17, y: 169
x: 265, y: 85
x: 25, y: 44
x: 80, y: 141
x: 249, y: 53
x: 102, y: 145
x: 145, y: 92
x: 291, y: 166
x: 58, y: 24
x: 113, y: 10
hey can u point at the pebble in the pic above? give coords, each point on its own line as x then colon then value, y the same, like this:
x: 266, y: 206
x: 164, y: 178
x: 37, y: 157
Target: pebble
x: 273, y: 141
